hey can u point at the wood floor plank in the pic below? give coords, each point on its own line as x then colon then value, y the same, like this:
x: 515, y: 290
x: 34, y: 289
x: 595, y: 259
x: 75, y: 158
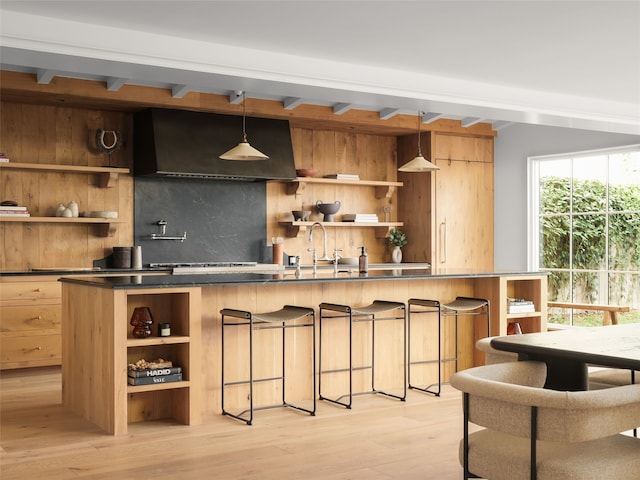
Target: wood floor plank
x: 379, y: 439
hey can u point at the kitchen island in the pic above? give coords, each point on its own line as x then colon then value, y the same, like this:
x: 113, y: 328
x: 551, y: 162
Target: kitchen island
x: 98, y: 343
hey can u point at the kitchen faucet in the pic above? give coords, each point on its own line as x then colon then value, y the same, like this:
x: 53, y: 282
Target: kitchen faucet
x: 324, y: 239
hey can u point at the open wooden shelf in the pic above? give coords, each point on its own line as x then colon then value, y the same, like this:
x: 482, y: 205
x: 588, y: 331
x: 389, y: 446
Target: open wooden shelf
x: 154, y: 387
x: 147, y: 342
x: 384, y: 189
x: 106, y: 226
x: 108, y: 175
x: 297, y: 228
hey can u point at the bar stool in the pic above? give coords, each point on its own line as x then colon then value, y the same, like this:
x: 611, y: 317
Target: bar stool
x: 465, y: 306
x: 369, y: 313
x: 284, y: 319
x: 430, y: 307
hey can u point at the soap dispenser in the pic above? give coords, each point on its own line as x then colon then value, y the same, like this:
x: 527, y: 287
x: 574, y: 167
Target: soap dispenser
x: 363, y: 261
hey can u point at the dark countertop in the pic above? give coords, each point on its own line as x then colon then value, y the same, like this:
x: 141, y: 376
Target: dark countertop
x: 105, y: 271
x: 173, y: 281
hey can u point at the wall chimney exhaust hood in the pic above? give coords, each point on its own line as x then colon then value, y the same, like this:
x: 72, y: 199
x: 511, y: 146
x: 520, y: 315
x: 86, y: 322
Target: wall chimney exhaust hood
x: 179, y: 143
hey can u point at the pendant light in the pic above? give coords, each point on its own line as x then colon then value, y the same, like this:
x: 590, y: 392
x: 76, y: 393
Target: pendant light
x: 243, y: 151
x: 419, y: 163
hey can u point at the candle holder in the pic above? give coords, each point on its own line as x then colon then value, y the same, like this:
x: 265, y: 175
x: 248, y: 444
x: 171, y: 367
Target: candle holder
x: 141, y: 321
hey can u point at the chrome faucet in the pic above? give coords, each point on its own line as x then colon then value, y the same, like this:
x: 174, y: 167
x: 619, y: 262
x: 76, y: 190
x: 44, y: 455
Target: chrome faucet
x: 336, y: 257
x: 314, y: 260
x: 325, y: 256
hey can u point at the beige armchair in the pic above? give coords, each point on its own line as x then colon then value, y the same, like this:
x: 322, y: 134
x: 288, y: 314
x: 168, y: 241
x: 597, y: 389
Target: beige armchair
x: 492, y: 355
x: 533, y: 433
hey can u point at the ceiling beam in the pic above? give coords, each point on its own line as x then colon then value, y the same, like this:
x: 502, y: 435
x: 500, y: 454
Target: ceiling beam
x: 291, y: 102
x: 340, y: 108
x: 387, y: 113
x: 45, y: 76
x: 501, y: 124
x: 179, y: 91
x: 469, y: 121
x: 429, y: 117
x: 115, y: 83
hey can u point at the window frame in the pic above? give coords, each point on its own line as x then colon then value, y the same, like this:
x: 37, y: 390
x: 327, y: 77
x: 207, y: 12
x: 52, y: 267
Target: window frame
x: 533, y: 204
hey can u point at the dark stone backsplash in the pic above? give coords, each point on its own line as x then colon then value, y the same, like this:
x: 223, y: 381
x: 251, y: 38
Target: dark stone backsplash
x: 224, y: 220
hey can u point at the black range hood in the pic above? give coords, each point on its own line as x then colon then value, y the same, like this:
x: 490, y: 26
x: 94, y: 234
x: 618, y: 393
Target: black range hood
x: 180, y: 143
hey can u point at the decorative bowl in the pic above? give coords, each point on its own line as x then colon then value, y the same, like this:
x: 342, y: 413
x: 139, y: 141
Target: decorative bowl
x: 301, y: 214
x: 328, y: 209
x: 306, y: 172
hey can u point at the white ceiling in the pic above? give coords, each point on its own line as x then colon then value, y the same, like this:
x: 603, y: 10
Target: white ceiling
x: 563, y: 63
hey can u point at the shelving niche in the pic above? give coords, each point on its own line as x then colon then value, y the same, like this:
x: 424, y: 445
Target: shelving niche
x: 529, y: 289
x: 174, y: 400
x: 107, y: 178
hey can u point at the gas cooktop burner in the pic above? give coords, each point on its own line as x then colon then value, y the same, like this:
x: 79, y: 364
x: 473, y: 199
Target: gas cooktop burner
x: 202, y: 264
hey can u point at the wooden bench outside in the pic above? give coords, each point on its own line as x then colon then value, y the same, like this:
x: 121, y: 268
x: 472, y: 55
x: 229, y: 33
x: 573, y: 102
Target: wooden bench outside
x: 609, y: 317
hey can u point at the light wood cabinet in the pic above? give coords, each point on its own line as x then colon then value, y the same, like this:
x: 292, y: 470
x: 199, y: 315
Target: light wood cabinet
x: 97, y: 333
x: 449, y: 213
x: 30, y: 322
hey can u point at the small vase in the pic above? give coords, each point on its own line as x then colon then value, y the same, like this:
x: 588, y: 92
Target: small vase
x: 396, y: 255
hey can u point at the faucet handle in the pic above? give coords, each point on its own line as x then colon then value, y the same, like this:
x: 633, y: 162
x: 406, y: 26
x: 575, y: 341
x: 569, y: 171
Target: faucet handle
x: 336, y: 254
x: 313, y: 252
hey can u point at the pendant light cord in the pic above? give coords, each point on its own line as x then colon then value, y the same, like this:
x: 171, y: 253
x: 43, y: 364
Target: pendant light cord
x: 244, y: 109
x: 419, y: 122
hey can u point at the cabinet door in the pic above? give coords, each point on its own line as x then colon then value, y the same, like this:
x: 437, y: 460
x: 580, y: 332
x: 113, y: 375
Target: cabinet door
x: 464, y: 215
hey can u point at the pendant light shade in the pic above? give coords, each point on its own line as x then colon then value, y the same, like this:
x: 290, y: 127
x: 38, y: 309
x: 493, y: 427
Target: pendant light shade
x: 244, y: 151
x: 419, y: 163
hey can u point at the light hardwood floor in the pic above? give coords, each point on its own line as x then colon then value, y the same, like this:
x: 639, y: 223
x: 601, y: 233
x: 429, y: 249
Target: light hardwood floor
x: 379, y: 438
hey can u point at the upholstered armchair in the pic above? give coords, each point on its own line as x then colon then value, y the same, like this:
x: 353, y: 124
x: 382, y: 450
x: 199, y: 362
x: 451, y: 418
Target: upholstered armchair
x: 533, y: 433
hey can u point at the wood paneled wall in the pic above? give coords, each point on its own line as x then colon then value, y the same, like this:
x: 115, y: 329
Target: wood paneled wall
x: 65, y: 136
x: 372, y: 157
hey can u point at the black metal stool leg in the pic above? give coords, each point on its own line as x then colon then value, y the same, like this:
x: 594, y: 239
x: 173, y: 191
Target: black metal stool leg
x: 429, y: 307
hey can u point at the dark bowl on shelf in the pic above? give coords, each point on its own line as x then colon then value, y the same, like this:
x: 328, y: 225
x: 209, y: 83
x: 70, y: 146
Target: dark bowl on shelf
x: 328, y: 209
x: 301, y: 214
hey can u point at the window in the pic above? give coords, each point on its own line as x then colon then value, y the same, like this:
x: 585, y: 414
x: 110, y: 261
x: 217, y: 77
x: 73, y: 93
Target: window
x: 584, y: 214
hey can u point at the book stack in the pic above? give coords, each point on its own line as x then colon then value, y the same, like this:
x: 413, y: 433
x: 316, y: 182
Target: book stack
x: 149, y: 376
x: 3, y: 158
x: 360, y: 217
x: 520, y: 305
x: 343, y: 176
x: 14, y: 211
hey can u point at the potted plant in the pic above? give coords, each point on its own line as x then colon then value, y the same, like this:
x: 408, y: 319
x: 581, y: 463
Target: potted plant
x: 398, y: 239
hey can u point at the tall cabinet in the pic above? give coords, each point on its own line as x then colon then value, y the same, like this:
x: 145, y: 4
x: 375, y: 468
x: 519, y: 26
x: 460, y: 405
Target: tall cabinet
x: 448, y: 213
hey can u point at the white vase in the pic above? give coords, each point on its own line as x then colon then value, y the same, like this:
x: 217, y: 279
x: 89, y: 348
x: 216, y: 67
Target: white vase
x: 396, y: 255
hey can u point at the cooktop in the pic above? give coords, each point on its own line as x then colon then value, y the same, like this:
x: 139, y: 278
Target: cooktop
x: 202, y: 264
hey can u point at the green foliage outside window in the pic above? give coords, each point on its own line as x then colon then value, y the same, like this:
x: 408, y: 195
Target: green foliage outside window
x: 588, y: 223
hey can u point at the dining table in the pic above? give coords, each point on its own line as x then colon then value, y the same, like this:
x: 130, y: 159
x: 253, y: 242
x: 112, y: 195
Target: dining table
x: 569, y: 352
